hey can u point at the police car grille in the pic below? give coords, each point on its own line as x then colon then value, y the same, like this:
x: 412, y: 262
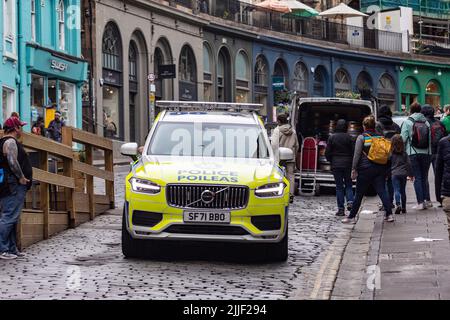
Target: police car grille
x: 182, y: 196
x: 207, y: 229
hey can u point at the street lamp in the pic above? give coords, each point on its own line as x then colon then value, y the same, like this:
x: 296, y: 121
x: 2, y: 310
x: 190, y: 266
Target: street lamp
x: 416, y: 71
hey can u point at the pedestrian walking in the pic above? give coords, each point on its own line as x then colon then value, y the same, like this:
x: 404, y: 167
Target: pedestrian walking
x: 369, y: 172
x: 400, y: 170
x: 15, y: 180
x: 388, y: 128
x: 442, y: 178
x: 446, y: 118
x: 437, y: 131
x: 54, y: 130
x: 339, y: 152
x: 285, y: 136
x: 417, y: 138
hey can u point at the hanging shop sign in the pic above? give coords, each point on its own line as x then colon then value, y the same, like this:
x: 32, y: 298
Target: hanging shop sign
x: 166, y: 71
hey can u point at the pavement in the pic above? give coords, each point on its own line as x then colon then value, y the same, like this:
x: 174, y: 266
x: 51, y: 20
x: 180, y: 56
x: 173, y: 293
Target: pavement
x: 408, y: 259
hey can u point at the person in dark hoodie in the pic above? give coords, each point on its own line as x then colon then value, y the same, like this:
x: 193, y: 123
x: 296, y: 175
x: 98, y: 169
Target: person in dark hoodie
x: 388, y: 128
x: 339, y: 152
x: 442, y: 179
x: 437, y: 130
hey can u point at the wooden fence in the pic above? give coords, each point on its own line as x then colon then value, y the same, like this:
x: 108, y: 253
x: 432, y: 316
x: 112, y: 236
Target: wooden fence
x: 59, y: 175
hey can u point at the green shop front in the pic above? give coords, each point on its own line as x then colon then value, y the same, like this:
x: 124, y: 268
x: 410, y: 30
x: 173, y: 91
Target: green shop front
x: 425, y: 83
x: 54, y: 81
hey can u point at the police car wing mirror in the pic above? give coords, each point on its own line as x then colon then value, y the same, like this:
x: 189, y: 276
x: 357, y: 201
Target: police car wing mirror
x: 129, y: 149
x: 286, y: 154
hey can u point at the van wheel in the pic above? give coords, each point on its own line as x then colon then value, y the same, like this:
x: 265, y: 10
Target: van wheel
x: 317, y: 190
x: 135, y: 248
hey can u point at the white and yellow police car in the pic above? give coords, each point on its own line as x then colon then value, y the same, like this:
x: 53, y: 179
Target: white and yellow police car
x: 206, y: 173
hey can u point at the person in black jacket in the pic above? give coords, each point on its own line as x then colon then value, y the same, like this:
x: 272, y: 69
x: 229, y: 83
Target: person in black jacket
x: 387, y: 128
x: 442, y: 178
x: 339, y: 152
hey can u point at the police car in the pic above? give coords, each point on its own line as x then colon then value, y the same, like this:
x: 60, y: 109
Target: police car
x: 206, y: 173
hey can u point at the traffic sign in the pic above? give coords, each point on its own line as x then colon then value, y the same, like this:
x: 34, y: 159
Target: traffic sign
x: 151, y: 77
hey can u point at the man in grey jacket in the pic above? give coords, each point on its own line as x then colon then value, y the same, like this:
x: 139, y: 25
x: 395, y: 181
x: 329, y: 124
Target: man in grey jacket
x: 420, y: 157
x: 285, y: 136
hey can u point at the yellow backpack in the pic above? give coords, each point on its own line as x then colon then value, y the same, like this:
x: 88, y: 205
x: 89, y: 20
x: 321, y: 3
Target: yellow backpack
x: 379, y: 150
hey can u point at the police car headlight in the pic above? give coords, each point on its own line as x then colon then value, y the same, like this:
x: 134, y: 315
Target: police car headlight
x: 144, y: 186
x: 270, y: 190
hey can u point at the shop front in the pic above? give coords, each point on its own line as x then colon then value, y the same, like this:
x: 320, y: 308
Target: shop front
x: 54, y: 82
x: 424, y: 83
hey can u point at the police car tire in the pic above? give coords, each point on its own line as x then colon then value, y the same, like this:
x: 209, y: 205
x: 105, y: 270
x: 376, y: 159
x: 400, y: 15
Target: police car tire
x: 279, y: 251
x: 134, y: 248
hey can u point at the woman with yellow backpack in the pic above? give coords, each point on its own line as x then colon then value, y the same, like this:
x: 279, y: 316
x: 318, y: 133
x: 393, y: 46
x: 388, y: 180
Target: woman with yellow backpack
x: 369, y: 167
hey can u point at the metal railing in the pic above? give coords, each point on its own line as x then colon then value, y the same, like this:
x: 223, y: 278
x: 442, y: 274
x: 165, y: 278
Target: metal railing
x: 313, y: 28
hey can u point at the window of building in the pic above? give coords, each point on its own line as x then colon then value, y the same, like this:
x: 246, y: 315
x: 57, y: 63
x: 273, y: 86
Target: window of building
x: 159, y: 83
x: 207, y: 74
x: 113, y: 79
x: 300, y: 81
x: 386, y: 92
x: 133, y: 87
x: 37, y: 97
x: 9, y: 25
x: 8, y: 102
x: 342, y: 82
x: 61, y: 25
x: 67, y: 102
x: 433, y: 94
x: 242, y: 77
x: 261, y: 74
x: 33, y: 20
x: 187, y: 70
x: 319, y: 83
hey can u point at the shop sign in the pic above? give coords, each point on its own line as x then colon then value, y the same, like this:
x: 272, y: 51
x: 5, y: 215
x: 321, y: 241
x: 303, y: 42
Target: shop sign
x: 111, y: 77
x: 278, y: 83
x: 58, y: 65
x: 166, y: 71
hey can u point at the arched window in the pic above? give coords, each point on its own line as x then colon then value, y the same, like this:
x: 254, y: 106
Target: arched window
x: 112, y: 48
x: 342, y: 82
x: 300, y: 81
x: 364, y: 84
x: 187, y: 70
x: 386, y: 91
x: 433, y: 94
x: 281, y: 70
x: 133, y: 87
x: 163, y: 56
x: 61, y: 25
x: 242, y: 77
x: 112, y: 85
x: 261, y: 74
x: 132, y: 62
x: 319, y: 82
x: 410, y: 91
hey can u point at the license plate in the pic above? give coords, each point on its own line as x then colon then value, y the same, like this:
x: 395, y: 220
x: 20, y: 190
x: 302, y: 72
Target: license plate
x: 207, y: 216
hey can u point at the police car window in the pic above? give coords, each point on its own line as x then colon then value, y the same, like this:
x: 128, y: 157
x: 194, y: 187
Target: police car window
x: 208, y: 140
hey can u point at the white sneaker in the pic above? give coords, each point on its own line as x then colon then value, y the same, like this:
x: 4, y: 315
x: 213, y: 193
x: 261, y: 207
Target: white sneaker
x: 420, y: 206
x: 428, y: 204
x: 8, y: 256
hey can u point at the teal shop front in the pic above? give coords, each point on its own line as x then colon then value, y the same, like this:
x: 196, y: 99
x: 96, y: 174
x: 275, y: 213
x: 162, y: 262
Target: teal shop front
x: 54, y: 81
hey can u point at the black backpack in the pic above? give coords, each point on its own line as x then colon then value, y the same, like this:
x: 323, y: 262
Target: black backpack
x: 420, y: 134
x: 437, y: 133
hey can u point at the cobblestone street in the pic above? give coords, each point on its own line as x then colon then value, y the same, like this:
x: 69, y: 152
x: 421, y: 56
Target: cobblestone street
x: 87, y: 263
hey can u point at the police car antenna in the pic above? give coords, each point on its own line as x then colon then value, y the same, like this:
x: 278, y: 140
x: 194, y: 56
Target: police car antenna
x: 207, y: 106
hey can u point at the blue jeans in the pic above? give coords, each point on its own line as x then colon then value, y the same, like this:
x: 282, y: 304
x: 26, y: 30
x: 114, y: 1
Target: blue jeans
x: 343, y: 180
x: 375, y: 176
x: 420, y: 164
x: 399, y: 183
x: 11, y: 207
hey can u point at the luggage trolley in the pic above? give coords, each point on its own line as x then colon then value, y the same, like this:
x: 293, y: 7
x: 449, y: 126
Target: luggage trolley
x: 308, y: 167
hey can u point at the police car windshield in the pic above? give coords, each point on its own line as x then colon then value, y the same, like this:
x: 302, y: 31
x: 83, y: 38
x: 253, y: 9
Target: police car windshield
x: 208, y: 140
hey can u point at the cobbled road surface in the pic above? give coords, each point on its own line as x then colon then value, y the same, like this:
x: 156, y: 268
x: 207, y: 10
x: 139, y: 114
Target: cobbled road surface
x: 87, y: 263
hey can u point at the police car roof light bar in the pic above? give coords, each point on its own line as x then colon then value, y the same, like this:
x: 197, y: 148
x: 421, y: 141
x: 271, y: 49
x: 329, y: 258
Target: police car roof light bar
x: 207, y: 106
